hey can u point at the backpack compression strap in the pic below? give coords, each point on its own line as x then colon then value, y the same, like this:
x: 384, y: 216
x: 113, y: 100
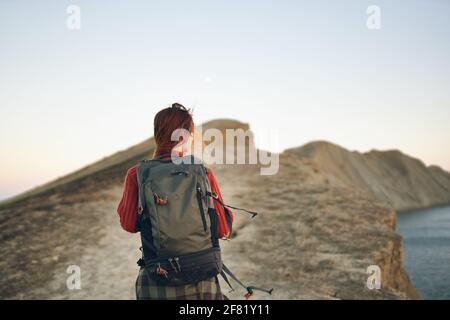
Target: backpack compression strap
x: 216, y: 197
x: 250, y: 289
x: 141, y: 200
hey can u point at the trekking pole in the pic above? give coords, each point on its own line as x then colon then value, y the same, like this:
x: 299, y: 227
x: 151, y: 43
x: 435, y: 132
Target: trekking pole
x: 216, y: 197
x: 269, y: 291
x: 250, y: 289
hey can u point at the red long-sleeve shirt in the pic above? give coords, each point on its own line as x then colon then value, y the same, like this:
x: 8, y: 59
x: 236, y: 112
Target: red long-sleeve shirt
x: 128, y: 206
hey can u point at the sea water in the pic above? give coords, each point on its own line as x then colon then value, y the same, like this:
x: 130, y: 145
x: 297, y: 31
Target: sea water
x: 426, y: 243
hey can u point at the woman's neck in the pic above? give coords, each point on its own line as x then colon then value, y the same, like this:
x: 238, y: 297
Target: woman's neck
x: 175, y: 151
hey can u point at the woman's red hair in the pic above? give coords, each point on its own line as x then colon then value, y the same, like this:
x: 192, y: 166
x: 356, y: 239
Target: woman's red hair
x: 166, y: 122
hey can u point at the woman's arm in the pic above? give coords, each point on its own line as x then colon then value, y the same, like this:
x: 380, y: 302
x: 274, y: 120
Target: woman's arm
x: 128, y: 205
x: 224, y: 215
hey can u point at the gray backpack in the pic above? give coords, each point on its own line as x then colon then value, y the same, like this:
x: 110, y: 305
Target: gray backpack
x: 178, y: 222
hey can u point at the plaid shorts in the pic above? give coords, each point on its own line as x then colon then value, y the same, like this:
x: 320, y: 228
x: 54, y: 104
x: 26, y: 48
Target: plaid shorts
x: 148, y: 289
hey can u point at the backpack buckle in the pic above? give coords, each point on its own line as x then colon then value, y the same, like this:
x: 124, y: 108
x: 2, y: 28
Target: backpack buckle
x: 141, y: 263
x: 214, y: 195
x: 175, y: 266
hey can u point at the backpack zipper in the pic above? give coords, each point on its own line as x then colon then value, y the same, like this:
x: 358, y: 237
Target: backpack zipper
x: 200, y: 206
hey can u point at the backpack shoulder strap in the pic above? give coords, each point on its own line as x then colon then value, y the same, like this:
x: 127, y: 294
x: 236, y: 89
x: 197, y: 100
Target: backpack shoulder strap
x: 141, y: 198
x: 142, y: 171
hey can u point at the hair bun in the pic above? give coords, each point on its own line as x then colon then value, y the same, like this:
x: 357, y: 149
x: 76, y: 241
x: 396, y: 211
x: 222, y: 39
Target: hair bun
x: 179, y: 106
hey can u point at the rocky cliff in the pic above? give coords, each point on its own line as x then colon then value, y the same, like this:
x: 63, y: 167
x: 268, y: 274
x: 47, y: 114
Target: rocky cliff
x: 399, y: 180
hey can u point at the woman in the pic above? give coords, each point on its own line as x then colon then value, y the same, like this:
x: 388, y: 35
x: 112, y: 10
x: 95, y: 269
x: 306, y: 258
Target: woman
x: 165, y: 123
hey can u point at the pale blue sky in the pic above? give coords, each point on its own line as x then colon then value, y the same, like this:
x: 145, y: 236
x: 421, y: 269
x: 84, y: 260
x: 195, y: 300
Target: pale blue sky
x: 309, y: 70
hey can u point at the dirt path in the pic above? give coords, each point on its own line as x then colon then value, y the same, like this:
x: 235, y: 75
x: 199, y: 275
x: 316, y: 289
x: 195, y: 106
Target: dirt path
x: 108, y: 267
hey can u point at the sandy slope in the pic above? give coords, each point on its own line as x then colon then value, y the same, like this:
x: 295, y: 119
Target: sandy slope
x: 310, y: 240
